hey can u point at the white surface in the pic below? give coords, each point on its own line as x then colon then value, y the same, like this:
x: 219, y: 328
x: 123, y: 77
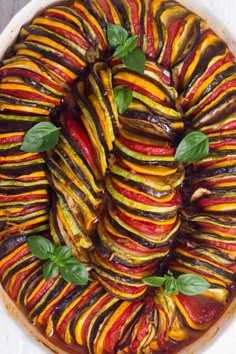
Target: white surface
x: 13, y: 339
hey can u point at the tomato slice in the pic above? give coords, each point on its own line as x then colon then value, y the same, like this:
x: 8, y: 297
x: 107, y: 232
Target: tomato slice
x: 151, y: 150
x: 145, y: 200
x: 172, y: 31
x: 79, y: 134
x: 199, y: 308
x: 145, y: 227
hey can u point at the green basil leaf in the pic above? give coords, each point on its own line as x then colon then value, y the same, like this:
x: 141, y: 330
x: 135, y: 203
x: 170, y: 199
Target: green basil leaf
x: 192, y: 284
x: 123, y: 97
x: 63, y: 253
x: 50, y: 270
x: 135, y: 60
x: 74, y: 272
x: 154, y: 281
x: 73, y: 261
x: 116, y: 35
x: 171, y: 286
x: 42, y: 137
x: 40, y: 247
x: 128, y: 47
x: 194, y: 147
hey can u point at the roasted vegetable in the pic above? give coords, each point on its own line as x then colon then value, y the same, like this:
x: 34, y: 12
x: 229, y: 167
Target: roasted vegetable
x: 112, y: 187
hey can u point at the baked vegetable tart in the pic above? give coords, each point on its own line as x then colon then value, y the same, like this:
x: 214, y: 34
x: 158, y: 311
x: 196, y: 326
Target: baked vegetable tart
x: 118, y: 174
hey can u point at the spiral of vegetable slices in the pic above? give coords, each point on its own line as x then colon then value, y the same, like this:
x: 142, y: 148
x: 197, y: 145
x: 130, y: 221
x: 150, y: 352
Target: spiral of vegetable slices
x: 111, y: 187
x: 143, y: 187
x: 205, y: 245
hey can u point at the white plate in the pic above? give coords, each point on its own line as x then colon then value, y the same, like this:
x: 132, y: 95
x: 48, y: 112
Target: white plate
x: 221, y: 15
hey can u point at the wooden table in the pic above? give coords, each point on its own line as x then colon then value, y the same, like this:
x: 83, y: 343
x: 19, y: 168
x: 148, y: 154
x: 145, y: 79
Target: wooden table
x: 8, y: 8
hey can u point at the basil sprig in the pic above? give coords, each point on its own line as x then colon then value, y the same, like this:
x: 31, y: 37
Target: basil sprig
x: 187, y: 284
x: 123, y: 97
x: 59, y: 260
x: 194, y: 147
x: 125, y: 47
x: 42, y: 137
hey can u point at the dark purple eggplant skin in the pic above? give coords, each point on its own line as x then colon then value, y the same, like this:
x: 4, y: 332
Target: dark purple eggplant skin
x: 154, y: 82
x: 197, y: 262
x: 142, y: 27
x: 160, y: 30
x: 21, y: 190
x: 8, y: 125
x: 222, y: 191
x: 31, y: 82
x: 10, y: 243
x: 52, y: 56
x: 99, y: 321
x: 229, y: 100
x: 17, y: 268
x: 51, y: 163
x: 2, y: 225
x: 96, y: 121
x: 123, y: 278
x: 123, y: 15
x: 76, y: 149
x: 160, y: 121
x: 107, y: 253
x: 215, y: 235
x: 141, y: 187
x: 85, y: 31
x: 28, y: 218
x: 217, y: 80
x: 215, y: 251
x: 136, y: 129
x: 134, y: 237
x: 10, y: 151
x: 53, y: 215
x: 96, y: 296
x: 148, y: 214
x: 53, y: 293
x: 194, y: 43
x: 105, y: 98
x: 211, y: 52
x: 59, y: 309
x: 79, y: 174
x: 37, y: 276
x: 36, y: 30
x: 102, y: 23
x: 222, y: 138
x: 19, y: 101
x: 120, y: 153
x: 19, y: 171
x: 129, y: 338
x: 228, y: 170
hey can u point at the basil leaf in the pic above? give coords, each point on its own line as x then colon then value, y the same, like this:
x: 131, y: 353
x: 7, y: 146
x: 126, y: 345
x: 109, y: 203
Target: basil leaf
x: 135, y: 60
x: 127, y: 47
x: 116, y: 35
x: 123, y: 98
x: 192, y: 284
x: 40, y: 247
x: 194, y: 147
x: 42, y: 137
x: 154, y: 281
x: 74, y: 272
x: 63, y: 253
x: 171, y: 286
x: 50, y: 270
